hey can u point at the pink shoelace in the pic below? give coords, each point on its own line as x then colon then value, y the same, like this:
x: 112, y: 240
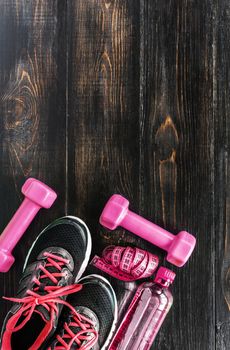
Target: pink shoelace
x: 87, y: 334
x: 127, y: 264
x: 50, y: 301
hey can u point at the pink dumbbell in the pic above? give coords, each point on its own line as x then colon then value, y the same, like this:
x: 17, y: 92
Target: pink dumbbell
x: 116, y: 213
x: 37, y: 196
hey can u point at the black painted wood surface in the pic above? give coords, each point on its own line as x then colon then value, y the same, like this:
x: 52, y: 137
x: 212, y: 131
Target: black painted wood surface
x: 132, y: 97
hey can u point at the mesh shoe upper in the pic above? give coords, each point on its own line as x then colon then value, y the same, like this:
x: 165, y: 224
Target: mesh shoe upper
x: 97, y: 302
x: 57, y: 258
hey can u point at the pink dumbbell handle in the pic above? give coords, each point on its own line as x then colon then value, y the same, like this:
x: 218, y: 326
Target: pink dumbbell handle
x: 147, y: 230
x: 18, y: 224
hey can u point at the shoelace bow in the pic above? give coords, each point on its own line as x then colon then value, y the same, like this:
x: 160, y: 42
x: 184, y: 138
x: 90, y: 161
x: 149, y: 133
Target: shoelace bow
x: 126, y: 263
x: 53, y: 297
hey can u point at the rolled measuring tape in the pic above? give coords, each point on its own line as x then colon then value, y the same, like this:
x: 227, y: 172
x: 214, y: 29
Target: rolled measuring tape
x: 126, y: 263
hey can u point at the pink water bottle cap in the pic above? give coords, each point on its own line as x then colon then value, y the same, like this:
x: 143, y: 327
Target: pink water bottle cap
x: 164, y: 277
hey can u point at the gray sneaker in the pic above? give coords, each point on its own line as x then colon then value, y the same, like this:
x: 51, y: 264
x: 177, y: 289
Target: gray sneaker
x: 55, y: 261
x: 91, y: 322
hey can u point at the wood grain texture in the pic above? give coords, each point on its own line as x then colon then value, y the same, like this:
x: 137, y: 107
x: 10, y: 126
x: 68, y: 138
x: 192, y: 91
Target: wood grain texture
x: 104, y: 104
x: 32, y: 66
x: 132, y: 97
x: 222, y: 168
x: 177, y: 155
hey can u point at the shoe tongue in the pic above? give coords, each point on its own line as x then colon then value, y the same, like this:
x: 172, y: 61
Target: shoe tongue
x: 43, y: 312
x: 47, y: 281
x: 84, y: 311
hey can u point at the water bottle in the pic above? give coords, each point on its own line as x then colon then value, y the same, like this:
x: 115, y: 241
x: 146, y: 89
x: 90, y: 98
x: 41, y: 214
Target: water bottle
x: 145, y: 314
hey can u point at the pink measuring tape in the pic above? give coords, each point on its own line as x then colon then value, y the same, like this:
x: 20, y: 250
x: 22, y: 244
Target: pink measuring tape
x: 126, y: 263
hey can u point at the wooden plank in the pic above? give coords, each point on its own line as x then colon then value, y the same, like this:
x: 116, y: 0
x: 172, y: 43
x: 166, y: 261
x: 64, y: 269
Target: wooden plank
x: 221, y: 52
x: 32, y: 143
x: 104, y: 116
x: 147, y: 118
x: 178, y: 157
x: 103, y: 110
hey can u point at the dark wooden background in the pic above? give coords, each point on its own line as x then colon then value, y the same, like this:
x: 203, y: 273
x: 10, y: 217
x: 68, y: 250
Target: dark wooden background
x: 133, y: 97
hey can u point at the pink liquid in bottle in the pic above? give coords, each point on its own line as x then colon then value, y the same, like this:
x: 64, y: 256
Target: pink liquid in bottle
x: 145, y: 314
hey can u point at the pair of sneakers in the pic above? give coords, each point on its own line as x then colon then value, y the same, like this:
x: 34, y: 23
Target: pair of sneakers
x: 53, y: 312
